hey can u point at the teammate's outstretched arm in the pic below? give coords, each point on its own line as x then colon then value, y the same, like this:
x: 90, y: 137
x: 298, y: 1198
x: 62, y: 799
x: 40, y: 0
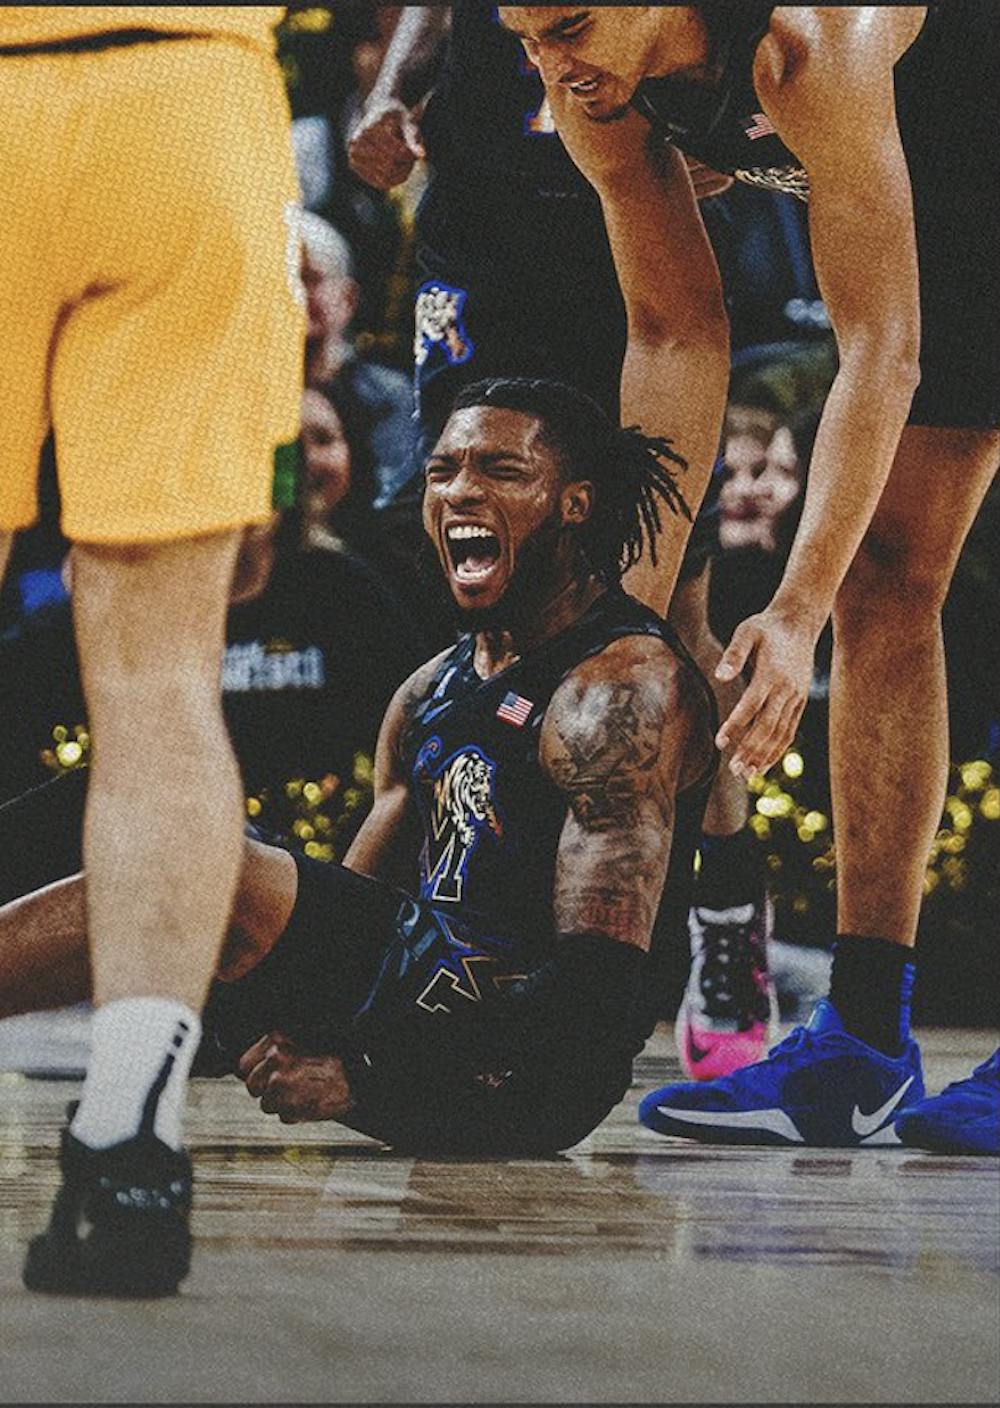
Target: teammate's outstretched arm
x: 676, y: 369
x: 825, y: 78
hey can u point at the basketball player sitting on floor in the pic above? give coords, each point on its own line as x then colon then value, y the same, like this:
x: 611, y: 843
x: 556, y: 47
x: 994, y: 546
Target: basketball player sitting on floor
x: 540, y: 775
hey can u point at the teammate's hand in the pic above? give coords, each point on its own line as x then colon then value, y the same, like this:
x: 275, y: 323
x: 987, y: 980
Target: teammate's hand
x: 763, y: 723
x: 705, y: 180
x: 385, y: 145
x: 293, y: 1085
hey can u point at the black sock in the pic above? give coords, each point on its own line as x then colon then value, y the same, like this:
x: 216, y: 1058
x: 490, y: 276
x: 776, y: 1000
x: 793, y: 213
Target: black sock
x: 731, y: 872
x: 870, y: 986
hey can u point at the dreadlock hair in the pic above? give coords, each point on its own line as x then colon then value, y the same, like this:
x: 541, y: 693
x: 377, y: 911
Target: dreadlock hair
x: 631, y: 481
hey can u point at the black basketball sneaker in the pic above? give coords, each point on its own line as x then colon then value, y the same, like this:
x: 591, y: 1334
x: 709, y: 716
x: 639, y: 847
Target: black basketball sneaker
x: 119, y: 1224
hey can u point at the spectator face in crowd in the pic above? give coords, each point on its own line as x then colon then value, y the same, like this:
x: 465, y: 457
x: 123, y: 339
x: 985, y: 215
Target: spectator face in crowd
x: 762, y: 479
x: 326, y: 456
x: 331, y: 297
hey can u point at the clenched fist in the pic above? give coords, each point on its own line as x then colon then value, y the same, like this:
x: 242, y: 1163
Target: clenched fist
x: 293, y: 1085
x: 386, y: 144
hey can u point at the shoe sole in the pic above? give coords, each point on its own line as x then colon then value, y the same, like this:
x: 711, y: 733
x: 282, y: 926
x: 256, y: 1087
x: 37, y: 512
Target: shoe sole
x: 55, y: 1269
x: 932, y: 1143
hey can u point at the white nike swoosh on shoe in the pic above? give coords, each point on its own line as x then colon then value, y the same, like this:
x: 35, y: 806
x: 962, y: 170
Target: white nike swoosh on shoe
x: 863, y: 1125
x: 774, y: 1121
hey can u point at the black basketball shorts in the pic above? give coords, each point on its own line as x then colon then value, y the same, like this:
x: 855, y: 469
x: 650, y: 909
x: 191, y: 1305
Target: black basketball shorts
x: 948, y: 106
x: 365, y: 971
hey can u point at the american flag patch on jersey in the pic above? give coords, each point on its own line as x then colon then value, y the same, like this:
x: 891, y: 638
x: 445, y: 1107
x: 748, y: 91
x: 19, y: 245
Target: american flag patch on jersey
x: 514, y: 709
x: 760, y: 126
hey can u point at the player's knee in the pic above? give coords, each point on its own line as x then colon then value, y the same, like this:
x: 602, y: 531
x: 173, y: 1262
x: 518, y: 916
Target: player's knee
x: 890, y: 577
x: 241, y: 951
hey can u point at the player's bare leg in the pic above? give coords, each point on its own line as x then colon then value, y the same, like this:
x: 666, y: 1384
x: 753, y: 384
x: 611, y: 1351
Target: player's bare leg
x: 43, y: 949
x: 162, y: 844
x: 44, y: 959
x: 729, y: 1009
x: 150, y: 625
x: 888, y: 704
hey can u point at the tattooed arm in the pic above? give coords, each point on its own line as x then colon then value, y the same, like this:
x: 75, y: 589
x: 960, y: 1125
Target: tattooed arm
x: 619, y: 737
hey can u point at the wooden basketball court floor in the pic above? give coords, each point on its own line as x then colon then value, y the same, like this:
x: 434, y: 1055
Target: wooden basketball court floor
x: 634, y: 1269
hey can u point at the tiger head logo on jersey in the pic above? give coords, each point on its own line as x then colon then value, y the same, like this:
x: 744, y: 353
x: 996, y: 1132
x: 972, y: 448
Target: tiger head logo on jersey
x: 461, y: 808
x: 438, y: 322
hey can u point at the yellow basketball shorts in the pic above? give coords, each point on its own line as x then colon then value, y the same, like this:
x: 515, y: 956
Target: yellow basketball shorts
x: 150, y: 300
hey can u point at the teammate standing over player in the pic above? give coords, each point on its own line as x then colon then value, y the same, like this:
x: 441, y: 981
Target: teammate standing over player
x: 148, y: 308
x: 885, y: 118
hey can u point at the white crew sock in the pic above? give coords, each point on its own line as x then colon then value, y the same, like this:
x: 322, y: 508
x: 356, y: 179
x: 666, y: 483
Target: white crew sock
x: 141, y: 1049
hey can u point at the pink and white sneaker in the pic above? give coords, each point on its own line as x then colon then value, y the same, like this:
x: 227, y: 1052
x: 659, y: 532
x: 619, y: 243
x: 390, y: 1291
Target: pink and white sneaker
x: 729, y: 1012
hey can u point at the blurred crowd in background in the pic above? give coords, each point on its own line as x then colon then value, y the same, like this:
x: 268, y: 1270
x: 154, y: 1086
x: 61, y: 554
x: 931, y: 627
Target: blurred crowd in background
x: 333, y: 606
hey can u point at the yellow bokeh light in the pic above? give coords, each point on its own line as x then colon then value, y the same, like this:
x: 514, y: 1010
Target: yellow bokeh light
x: 976, y: 775
x: 253, y: 806
x: 69, y: 754
x: 792, y: 764
x: 315, y: 20
x: 990, y: 805
x: 312, y: 792
x: 815, y: 821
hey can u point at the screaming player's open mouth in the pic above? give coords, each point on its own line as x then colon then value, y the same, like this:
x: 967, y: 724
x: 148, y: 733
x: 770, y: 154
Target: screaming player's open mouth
x: 474, y: 552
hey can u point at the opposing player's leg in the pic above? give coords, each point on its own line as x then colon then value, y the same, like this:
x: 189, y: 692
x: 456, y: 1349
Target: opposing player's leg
x: 173, y: 876
x: 847, y: 1076
x: 174, y: 374
x: 729, y: 1009
x: 187, y: 789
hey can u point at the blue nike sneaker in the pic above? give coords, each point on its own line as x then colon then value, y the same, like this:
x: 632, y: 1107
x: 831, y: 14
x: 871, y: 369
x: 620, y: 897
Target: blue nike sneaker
x: 963, y: 1119
x: 820, y: 1086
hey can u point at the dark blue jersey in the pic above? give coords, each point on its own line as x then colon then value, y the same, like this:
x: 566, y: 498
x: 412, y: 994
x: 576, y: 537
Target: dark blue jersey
x: 948, y: 111
x: 721, y: 121
x: 504, y: 195
x: 491, y: 818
